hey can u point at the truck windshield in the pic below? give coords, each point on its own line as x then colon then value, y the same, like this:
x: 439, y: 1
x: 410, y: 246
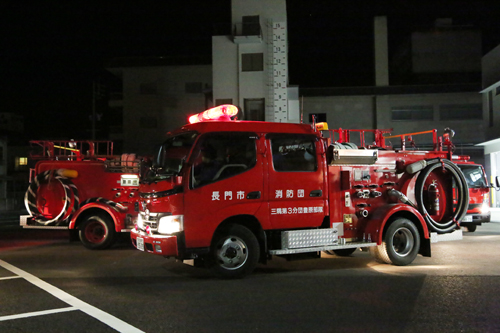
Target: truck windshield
x: 171, y: 155
x: 474, y: 175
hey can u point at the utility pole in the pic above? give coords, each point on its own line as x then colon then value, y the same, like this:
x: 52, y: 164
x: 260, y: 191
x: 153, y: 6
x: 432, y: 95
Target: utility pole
x: 93, y: 108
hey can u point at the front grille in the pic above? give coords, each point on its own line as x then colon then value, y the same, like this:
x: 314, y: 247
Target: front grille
x: 151, y: 220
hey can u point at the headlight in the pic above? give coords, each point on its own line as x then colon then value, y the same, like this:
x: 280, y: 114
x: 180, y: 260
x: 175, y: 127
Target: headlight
x: 485, y: 208
x: 170, y: 224
x: 139, y: 222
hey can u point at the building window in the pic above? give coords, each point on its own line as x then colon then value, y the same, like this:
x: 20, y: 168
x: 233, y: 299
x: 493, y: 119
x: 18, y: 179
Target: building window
x: 320, y: 117
x: 412, y: 112
x: 194, y: 88
x: 498, y: 91
x: 148, y: 122
x: 254, y: 109
x: 23, y: 160
x: 251, y: 25
x: 460, y: 112
x: 222, y: 101
x: 252, y: 62
x: 148, y: 88
x: 20, y: 163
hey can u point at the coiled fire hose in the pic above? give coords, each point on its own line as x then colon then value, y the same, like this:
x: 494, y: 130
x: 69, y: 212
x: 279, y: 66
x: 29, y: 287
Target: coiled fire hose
x: 461, y: 188
x: 70, y: 196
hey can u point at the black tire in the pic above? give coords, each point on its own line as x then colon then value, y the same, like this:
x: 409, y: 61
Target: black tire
x: 400, y: 245
x: 341, y: 252
x: 471, y: 227
x: 234, y: 252
x: 97, y: 232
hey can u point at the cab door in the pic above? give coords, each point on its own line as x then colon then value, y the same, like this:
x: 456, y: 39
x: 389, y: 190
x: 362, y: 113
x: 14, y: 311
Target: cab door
x: 296, y: 181
x: 226, y: 181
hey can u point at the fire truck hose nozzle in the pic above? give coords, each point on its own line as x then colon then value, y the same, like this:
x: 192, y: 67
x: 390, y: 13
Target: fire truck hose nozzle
x: 401, y: 197
x: 363, y: 213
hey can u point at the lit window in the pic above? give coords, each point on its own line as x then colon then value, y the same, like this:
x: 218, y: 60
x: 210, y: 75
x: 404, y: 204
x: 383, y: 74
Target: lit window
x: 23, y: 161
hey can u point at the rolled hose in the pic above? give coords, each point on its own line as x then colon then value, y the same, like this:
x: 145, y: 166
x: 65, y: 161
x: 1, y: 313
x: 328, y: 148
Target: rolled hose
x: 70, y: 193
x: 71, y: 198
x: 443, y: 227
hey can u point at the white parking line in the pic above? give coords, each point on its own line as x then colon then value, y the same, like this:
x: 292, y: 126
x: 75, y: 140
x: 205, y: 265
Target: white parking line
x: 100, y: 315
x: 10, y: 277
x: 37, y: 313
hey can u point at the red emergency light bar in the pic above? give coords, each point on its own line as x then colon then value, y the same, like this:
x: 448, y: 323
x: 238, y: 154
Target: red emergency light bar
x: 460, y: 157
x: 221, y: 112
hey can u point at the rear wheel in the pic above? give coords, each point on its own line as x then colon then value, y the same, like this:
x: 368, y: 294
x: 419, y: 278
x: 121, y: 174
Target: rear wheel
x: 471, y: 227
x: 97, y: 232
x: 234, y: 253
x: 400, y: 245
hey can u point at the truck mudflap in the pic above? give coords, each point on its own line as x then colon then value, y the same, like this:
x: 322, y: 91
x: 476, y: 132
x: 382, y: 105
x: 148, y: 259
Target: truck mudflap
x: 455, y: 235
x: 162, y: 245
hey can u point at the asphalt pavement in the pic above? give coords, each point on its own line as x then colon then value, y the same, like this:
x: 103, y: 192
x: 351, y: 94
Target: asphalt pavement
x: 9, y: 219
x: 58, y: 286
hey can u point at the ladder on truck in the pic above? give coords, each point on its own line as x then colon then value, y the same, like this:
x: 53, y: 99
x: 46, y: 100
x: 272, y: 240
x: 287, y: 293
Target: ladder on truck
x: 378, y: 138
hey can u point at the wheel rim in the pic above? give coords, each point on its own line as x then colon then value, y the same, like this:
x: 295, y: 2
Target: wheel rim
x: 403, y: 242
x: 231, y: 253
x: 96, y: 231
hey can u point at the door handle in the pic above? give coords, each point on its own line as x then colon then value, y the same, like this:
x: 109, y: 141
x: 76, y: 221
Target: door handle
x: 316, y: 193
x: 253, y: 195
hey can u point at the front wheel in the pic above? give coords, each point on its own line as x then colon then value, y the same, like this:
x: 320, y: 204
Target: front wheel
x: 400, y: 244
x: 234, y: 252
x: 97, y: 232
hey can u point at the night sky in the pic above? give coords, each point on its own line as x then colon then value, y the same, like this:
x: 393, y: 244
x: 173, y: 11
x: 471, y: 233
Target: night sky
x: 51, y: 51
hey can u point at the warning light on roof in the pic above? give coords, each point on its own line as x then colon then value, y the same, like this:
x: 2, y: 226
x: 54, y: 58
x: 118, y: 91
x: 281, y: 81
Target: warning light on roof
x: 321, y: 126
x: 221, y: 112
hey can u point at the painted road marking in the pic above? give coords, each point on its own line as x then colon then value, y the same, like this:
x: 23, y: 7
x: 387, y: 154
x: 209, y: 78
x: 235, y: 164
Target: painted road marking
x: 37, y: 313
x: 74, y: 302
x: 10, y: 277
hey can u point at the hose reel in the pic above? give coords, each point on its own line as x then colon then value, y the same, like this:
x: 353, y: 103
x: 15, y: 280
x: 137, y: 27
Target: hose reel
x: 71, y: 199
x: 427, y: 195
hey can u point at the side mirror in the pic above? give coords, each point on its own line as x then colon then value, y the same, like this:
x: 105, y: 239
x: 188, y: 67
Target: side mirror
x: 497, y: 183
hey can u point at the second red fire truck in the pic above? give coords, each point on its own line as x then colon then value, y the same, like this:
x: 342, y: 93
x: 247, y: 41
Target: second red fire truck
x: 478, y: 211
x: 231, y: 194
x: 82, y: 187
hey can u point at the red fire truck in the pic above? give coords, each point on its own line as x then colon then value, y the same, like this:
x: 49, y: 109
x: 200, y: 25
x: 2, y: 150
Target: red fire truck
x: 478, y: 211
x: 82, y: 187
x: 231, y: 194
